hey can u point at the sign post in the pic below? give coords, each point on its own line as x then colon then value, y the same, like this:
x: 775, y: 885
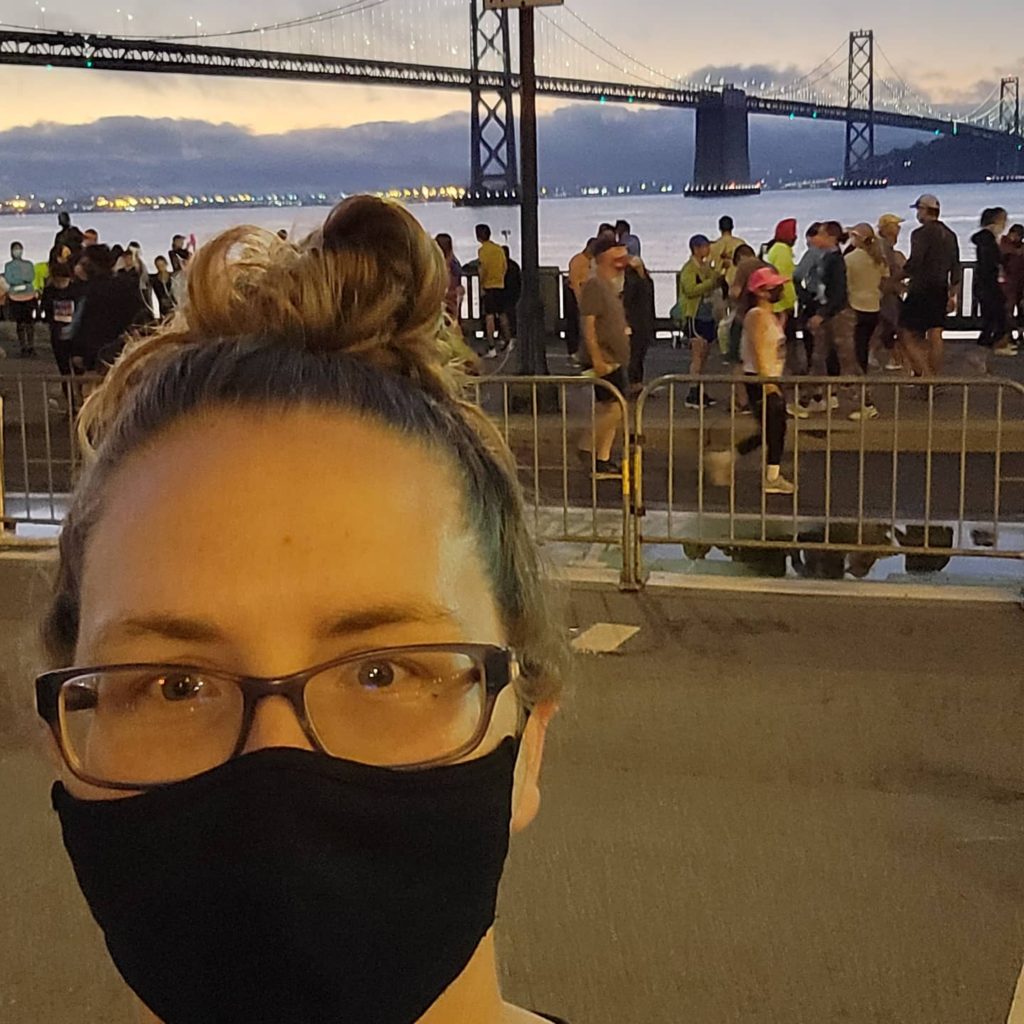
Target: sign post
x: 532, y: 352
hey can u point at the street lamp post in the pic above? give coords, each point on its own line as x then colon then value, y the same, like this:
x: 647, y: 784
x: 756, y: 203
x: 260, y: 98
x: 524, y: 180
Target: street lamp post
x: 532, y: 354
x: 533, y: 360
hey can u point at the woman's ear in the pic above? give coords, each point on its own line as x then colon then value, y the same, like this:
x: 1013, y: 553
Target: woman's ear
x: 526, y: 794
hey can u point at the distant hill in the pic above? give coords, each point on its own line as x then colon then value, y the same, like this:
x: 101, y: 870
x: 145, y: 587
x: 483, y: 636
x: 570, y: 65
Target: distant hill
x: 579, y: 144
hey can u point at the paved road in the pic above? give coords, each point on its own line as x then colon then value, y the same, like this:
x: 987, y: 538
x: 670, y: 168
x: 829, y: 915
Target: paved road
x: 761, y: 810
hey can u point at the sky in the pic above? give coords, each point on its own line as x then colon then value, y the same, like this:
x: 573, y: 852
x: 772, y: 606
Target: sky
x: 950, y: 54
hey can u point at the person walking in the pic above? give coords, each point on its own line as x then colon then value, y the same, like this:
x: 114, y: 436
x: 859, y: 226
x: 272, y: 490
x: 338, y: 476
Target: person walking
x: 493, y: 268
x: 988, y: 284
x: 832, y: 324
x: 763, y: 350
x: 581, y: 269
x: 780, y: 255
x: 320, y: 812
x: 808, y: 285
x: 58, y: 301
x: 934, y: 275
x: 866, y: 272
x: 638, y: 302
x: 1012, y: 249
x: 606, y: 336
x: 698, y: 282
x: 20, y: 275
x: 887, y: 344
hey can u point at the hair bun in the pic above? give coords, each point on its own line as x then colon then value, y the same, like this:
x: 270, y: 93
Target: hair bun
x: 370, y: 282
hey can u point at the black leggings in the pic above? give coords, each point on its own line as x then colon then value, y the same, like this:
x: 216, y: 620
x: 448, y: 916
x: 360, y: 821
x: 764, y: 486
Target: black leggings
x: 773, y: 420
x: 994, y: 320
x: 867, y: 324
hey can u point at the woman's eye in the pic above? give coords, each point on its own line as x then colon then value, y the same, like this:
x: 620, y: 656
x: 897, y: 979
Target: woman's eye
x: 376, y: 675
x: 180, y: 687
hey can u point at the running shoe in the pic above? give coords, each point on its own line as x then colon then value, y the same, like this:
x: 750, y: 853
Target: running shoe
x: 868, y: 412
x: 693, y: 401
x: 780, y: 485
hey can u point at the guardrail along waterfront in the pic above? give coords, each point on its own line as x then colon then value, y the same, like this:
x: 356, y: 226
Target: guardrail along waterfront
x: 554, y: 283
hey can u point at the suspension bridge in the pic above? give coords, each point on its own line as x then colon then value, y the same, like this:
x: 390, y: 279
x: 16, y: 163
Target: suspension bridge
x: 458, y: 45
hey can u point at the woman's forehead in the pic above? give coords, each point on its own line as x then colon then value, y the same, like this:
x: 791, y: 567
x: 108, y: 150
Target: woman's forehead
x: 292, y: 510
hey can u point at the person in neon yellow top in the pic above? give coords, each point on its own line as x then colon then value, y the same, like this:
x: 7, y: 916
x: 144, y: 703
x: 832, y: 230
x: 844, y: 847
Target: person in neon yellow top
x: 780, y: 255
x: 723, y: 250
x: 493, y: 268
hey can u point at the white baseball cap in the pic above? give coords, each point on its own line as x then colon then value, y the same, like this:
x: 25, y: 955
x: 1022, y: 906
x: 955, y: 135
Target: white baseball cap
x: 927, y: 202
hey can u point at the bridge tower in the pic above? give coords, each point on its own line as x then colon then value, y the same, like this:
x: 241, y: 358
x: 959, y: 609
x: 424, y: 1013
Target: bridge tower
x: 1011, y: 161
x: 860, y: 97
x: 494, y: 177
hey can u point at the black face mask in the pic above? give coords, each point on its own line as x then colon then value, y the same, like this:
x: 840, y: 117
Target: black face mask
x: 289, y: 887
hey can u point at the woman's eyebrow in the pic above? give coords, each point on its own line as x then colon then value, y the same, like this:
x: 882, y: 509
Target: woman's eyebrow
x: 361, y: 620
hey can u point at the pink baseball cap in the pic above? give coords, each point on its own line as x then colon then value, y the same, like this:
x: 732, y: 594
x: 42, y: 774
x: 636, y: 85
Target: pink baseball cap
x: 766, y: 277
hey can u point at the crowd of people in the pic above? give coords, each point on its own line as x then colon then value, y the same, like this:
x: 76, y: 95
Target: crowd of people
x: 89, y: 295
x: 854, y: 302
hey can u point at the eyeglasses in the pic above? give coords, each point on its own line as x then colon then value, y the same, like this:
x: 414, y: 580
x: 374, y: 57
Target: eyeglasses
x: 137, y: 727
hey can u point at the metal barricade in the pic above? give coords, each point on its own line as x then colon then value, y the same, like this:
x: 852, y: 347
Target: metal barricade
x: 930, y: 477
x: 939, y: 473
x: 544, y: 421
x: 39, y: 454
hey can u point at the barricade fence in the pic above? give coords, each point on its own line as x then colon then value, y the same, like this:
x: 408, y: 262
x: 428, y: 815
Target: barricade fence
x: 939, y: 473
x: 554, y: 301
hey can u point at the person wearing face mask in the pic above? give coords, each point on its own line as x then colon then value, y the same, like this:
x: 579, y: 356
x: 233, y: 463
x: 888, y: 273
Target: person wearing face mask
x: 763, y: 351
x: 988, y: 285
x: 303, y: 824
x: 20, y: 275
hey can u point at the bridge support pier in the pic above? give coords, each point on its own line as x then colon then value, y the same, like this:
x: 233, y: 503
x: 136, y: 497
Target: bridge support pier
x: 723, y: 140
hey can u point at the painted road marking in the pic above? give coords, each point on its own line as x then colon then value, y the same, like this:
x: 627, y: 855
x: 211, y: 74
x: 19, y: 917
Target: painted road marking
x: 603, y: 638
x: 1017, y: 1010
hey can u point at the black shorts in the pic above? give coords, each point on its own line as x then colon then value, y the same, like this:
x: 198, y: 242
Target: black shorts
x: 494, y: 301
x: 925, y: 310
x: 705, y: 329
x: 618, y: 379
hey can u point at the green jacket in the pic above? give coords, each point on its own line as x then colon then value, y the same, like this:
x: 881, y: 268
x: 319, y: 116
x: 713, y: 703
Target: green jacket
x: 781, y: 257
x: 696, y: 286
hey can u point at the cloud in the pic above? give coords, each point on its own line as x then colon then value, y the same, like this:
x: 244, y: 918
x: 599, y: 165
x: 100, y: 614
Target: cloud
x: 578, y: 144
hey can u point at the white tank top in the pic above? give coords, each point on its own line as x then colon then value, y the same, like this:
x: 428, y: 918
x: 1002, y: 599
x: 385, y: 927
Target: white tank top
x: 777, y: 364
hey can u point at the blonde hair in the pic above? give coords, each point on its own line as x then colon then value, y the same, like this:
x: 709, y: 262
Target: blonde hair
x: 351, y: 318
